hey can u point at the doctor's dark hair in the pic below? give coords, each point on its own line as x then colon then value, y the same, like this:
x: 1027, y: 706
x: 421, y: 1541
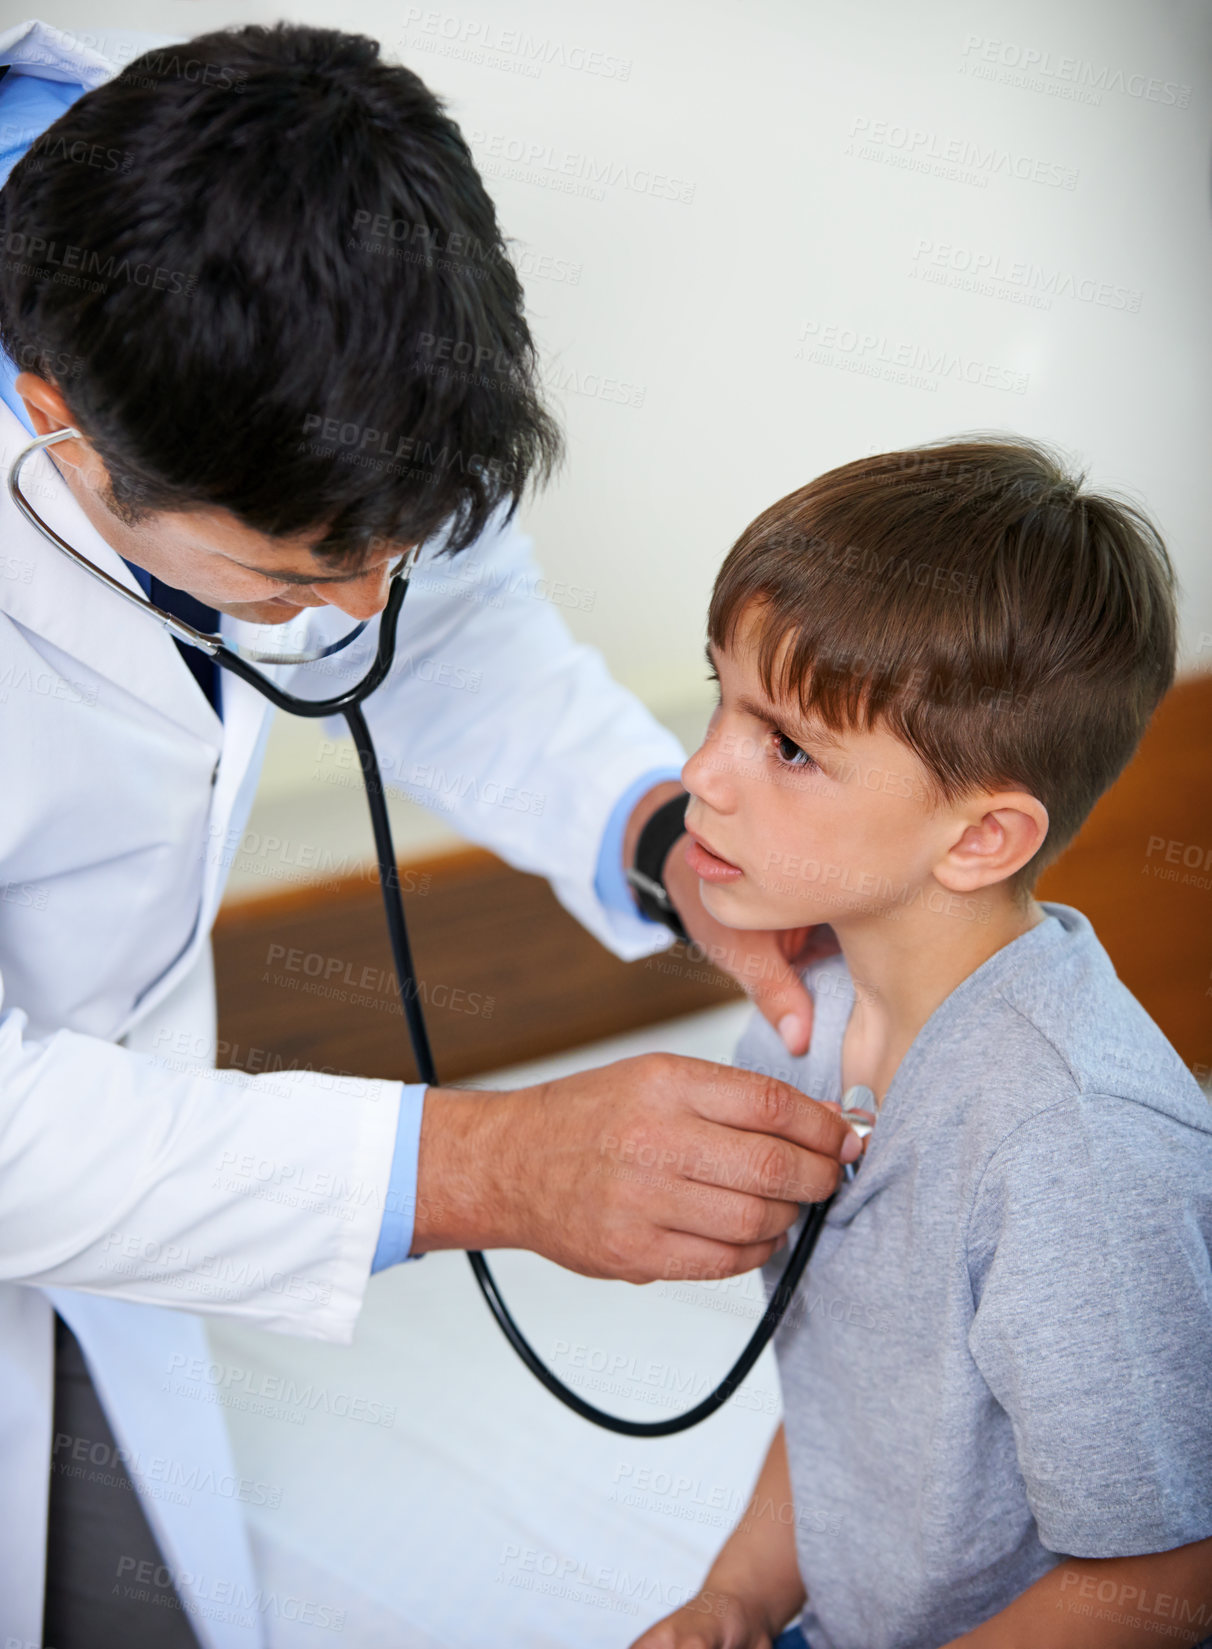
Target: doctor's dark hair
x: 970, y: 597
x: 274, y: 259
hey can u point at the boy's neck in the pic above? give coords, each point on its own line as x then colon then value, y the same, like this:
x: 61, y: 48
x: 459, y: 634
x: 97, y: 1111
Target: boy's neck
x: 904, y: 969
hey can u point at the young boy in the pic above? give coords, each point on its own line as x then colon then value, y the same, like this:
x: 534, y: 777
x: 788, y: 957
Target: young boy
x: 997, y: 1377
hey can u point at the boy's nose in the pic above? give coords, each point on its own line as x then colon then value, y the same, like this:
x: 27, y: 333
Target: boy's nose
x: 704, y: 775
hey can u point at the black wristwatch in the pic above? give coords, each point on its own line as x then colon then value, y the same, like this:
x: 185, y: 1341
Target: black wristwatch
x: 657, y: 837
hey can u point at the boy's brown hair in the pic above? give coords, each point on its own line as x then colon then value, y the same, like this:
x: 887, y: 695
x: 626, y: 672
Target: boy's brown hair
x: 969, y: 596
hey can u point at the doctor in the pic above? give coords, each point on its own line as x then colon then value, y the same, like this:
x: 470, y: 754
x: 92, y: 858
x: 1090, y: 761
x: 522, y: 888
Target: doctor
x: 191, y: 273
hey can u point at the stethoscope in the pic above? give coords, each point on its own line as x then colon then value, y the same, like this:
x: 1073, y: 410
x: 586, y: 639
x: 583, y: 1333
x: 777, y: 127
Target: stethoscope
x: 241, y: 661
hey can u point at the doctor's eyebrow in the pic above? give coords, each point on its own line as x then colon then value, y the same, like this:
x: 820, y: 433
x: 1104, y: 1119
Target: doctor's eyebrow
x: 303, y: 578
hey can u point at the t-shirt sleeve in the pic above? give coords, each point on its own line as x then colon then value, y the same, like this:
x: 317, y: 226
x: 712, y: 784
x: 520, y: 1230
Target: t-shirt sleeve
x: 1088, y: 1252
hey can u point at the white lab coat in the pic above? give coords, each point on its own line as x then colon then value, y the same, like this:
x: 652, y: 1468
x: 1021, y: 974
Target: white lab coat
x: 122, y: 794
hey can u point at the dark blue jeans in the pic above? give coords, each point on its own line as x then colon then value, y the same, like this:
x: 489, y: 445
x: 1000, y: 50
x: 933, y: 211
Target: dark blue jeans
x: 792, y: 1638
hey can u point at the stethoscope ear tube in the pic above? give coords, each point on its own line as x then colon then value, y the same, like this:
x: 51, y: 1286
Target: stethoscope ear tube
x: 801, y: 1253
x: 235, y: 657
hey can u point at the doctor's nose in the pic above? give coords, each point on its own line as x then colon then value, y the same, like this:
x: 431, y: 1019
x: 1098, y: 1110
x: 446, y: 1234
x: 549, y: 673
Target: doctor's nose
x: 360, y: 597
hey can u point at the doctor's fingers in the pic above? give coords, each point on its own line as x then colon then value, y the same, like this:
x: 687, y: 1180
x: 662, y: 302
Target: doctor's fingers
x: 761, y: 1104
x: 679, y: 1256
x: 723, y: 1216
x: 772, y: 980
x: 759, y: 1166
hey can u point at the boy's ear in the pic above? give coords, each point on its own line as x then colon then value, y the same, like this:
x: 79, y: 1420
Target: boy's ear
x: 998, y: 832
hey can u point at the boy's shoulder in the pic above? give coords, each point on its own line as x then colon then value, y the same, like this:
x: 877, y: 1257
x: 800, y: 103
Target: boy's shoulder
x: 1047, y: 1023
x: 1087, y: 1115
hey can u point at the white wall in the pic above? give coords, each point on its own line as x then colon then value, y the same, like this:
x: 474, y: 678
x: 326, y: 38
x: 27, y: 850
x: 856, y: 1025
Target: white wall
x: 847, y: 166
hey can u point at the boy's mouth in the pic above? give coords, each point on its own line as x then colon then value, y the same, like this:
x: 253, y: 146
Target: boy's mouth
x: 707, y: 865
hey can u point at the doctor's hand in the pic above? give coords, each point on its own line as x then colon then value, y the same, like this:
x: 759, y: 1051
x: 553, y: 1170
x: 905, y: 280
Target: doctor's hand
x: 653, y: 1167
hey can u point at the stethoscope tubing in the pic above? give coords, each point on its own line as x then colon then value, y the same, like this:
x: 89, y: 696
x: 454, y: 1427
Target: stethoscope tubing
x: 349, y: 705
x: 780, y: 1299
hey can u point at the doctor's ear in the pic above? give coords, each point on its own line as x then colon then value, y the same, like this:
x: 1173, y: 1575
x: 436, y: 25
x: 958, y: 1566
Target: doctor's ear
x: 998, y: 832
x: 48, y: 411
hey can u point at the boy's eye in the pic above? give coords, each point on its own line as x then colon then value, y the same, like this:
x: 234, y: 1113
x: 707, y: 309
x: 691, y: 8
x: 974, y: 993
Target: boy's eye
x: 789, y: 753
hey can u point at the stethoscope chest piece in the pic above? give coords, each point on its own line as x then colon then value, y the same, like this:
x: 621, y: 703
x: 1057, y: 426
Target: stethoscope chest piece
x: 858, y: 1099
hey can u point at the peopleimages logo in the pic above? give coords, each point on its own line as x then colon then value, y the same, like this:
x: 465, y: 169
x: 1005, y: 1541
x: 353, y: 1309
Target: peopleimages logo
x: 38, y: 254
x: 49, y: 145
x: 990, y: 272
x: 963, y: 159
x: 141, y: 1579
x: 302, y: 1396
x: 1037, y: 67
x: 530, y: 160
x: 511, y: 48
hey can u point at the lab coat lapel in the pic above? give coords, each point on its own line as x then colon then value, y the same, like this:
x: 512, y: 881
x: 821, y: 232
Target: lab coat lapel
x: 246, y: 723
x: 46, y: 592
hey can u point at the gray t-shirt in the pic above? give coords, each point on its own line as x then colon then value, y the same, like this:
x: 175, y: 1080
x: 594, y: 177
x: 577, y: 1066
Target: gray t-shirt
x: 1002, y: 1347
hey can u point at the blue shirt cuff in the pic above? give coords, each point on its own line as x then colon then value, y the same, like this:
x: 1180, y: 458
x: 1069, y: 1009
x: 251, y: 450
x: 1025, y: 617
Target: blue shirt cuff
x: 610, y: 884
x: 400, y: 1204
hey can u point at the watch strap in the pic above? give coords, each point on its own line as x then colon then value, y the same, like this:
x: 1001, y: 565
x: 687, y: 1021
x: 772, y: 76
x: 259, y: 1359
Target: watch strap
x: 661, y: 830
